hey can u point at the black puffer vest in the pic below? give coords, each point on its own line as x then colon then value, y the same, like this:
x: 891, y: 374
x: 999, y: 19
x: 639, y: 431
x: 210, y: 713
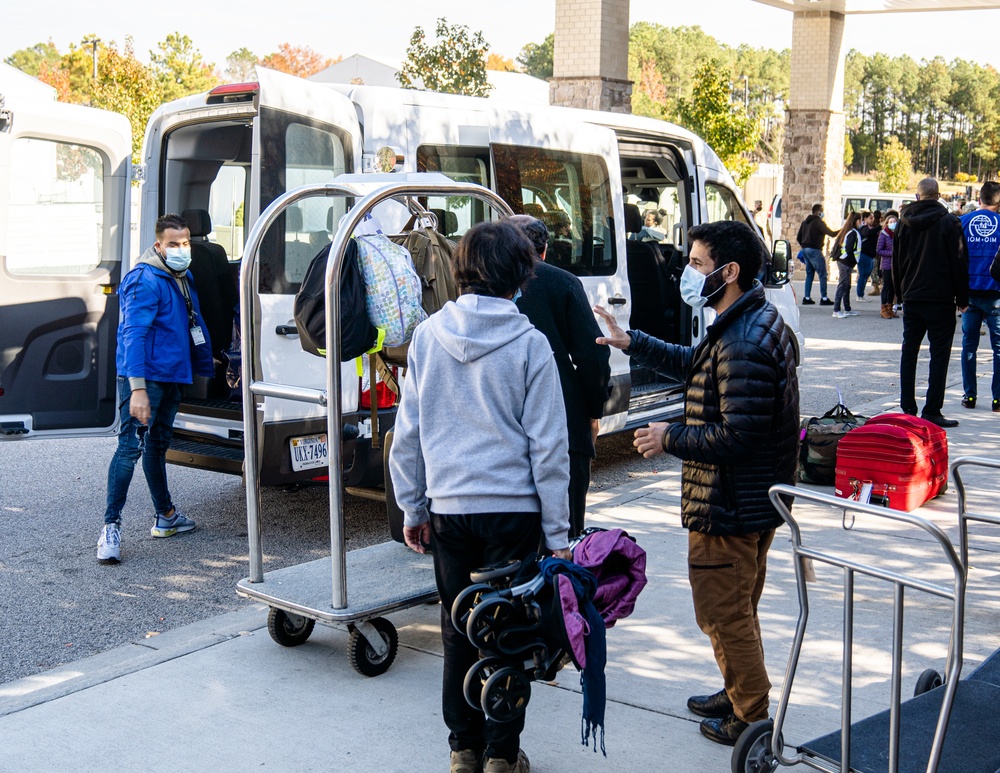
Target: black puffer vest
x: 741, y: 415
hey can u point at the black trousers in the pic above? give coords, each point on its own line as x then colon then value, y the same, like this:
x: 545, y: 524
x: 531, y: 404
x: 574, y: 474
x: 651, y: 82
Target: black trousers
x: 888, y: 293
x: 462, y: 544
x: 579, y: 485
x: 937, y: 322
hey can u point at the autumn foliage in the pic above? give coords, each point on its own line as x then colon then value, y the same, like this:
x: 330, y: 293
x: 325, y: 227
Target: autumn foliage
x: 297, y: 60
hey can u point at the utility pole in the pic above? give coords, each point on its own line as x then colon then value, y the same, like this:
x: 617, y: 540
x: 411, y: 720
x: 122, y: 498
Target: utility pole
x: 94, y: 41
x: 746, y: 93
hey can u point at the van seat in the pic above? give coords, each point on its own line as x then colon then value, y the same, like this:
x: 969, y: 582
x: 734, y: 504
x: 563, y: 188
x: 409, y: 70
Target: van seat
x: 447, y: 221
x: 654, y: 309
x: 213, y: 281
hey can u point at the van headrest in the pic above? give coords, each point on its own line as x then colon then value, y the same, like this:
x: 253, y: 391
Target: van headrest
x: 199, y: 223
x: 534, y: 209
x: 633, y: 218
x: 447, y: 221
x: 293, y: 219
x: 329, y: 220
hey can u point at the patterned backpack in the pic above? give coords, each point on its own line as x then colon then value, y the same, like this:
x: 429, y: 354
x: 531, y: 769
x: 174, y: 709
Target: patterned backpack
x: 393, y: 291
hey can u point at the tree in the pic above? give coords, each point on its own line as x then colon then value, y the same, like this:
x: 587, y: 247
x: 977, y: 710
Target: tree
x: 536, y: 58
x: 500, y: 63
x: 241, y: 66
x: 455, y: 64
x: 127, y: 86
x: 848, y: 151
x: 297, y: 60
x: 892, y: 166
x: 31, y: 60
x: 725, y: 126
x: 179, y: 68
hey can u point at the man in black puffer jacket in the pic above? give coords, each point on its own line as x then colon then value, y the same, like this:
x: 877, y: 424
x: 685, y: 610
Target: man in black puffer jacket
x: 739, y: 437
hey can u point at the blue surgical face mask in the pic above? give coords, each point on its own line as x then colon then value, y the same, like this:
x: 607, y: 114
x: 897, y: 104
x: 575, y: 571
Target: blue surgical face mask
x: 178, y: 258
x: 892, y: 226
x: 693, y: 285
x: 517, y: 294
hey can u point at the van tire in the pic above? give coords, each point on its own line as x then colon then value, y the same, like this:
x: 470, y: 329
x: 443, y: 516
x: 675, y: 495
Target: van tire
x: 392, y: 511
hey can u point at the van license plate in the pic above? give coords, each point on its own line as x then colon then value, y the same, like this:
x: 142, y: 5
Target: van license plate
x: 308, y: 452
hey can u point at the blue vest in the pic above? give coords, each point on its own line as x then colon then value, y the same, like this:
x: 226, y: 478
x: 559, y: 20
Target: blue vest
x: 982, y: 235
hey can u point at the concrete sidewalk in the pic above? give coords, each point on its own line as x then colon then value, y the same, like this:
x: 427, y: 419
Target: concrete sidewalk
x: 220, y: 695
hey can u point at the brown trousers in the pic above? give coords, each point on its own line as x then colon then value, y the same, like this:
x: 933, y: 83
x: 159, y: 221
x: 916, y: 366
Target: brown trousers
x: 727, y: 578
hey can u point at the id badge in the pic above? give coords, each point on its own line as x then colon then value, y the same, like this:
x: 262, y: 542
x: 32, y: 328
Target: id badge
x: 197, y: 336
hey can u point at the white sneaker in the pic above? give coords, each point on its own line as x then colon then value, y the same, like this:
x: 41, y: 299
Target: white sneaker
x: 863, y: 299
x: 840, y: 315
x: 851, y: 313
x: 109, y: 545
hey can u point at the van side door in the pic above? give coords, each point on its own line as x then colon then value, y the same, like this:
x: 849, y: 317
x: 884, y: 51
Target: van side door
x: 64, y: 234
x: 567, y: 175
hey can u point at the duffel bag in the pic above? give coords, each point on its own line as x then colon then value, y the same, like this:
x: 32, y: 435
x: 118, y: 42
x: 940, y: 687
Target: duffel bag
x: 818, y: 447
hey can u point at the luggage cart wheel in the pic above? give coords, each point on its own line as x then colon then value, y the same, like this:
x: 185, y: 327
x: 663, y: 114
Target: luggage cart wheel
x: 506, y: 695
x: 287, y: 629
x: 476, y: 679
x: 928, y: 680
x: 752, y: 753
x: 372, y: 646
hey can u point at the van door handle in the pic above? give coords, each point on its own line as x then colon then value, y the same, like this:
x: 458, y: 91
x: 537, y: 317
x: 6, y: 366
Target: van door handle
x: 616, y: 301
x: 286, y: 330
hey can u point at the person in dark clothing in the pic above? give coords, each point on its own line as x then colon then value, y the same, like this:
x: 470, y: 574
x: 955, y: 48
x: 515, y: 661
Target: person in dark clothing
x: 982, y: 235
x: 739, y: 436
x: 555, y: 302
x: 845, y: 251
x: 811, y: 237
x: 871, y: 226
x: 930, y: 271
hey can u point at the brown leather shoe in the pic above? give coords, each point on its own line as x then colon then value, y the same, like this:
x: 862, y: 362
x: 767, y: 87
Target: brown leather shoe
x: 716, y: 705
x: 725, y: 731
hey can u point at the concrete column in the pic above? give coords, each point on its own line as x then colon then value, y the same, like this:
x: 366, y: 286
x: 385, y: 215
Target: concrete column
x: 814, y: 126
x: 590, y: 60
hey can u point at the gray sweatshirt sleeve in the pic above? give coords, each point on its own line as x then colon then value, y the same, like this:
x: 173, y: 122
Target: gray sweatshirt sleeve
x: 406, y: 458
x: 548, y: 446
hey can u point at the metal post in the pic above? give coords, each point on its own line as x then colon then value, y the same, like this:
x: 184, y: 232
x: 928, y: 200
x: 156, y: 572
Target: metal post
x: 896, y: 679
x: 848, y: 672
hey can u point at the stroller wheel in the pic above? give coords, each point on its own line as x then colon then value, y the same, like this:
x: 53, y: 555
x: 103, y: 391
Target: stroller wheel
x: 476, y: 679
x: 487, y: 621
x: 465, y: 601
x: 506, y: 695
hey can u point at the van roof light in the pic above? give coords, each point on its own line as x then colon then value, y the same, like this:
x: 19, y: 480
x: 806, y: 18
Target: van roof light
x: 233, y: 92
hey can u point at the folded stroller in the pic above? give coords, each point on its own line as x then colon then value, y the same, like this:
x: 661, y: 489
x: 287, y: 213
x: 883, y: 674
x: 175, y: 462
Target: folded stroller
x: 529, y: 618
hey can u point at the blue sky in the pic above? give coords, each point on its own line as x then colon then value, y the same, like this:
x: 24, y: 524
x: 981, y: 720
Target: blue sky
x: 339, y: 28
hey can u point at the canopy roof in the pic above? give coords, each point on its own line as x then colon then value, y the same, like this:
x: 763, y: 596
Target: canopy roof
x: 882, y: 6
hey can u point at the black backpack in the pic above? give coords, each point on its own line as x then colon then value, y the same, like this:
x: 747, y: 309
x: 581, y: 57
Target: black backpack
x: 357, y: 334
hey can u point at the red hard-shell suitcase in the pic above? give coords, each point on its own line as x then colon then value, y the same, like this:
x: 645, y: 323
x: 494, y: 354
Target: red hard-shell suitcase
x: 904, y: 458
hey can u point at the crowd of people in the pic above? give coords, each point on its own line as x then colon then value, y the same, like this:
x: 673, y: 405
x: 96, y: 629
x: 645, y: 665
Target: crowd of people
x: 925, y: 263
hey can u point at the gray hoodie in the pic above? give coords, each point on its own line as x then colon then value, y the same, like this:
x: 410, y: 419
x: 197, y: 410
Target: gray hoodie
x: 481, y: 426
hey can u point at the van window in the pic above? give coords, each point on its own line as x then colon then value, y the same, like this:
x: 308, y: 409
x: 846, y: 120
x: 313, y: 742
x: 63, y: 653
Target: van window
x: 226, y: 207
x: 456, y: 214
x: 296, y: 151
x: 723, y: 205
x: 571, y: 194
x: 853, y: 205
x: 56, y: 208
x: 880, y: 204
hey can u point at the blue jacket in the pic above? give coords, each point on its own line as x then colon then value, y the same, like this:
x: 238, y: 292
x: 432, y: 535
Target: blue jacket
x: 982, y: 235
x: 154, y: 338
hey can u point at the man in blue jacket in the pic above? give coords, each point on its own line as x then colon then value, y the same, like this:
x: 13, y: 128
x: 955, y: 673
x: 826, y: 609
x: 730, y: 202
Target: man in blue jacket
x: 162, y: 343
x: 982, y: 235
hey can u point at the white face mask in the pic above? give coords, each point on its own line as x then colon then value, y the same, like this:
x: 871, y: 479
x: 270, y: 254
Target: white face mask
x: 693, y: 285
x: 178, y: 258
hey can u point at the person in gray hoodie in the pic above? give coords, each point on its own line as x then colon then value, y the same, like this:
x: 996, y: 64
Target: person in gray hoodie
x: 480, y: 458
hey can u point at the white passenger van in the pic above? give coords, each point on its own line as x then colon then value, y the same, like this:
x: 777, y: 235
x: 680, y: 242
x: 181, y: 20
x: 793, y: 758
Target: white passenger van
x: 222, y: 157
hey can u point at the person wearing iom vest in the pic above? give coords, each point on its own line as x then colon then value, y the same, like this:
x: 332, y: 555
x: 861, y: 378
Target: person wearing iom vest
x: 982, y: 236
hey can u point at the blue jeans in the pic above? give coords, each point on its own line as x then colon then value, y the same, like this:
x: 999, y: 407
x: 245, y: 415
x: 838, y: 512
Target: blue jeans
x: 865, y: 265
x: 148, y: 441
x: 980, y: 309
x: 815, y: 264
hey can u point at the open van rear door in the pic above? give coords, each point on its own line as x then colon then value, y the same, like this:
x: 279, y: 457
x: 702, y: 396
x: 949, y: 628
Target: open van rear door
x: 64, y: 232
x: 566, y: 173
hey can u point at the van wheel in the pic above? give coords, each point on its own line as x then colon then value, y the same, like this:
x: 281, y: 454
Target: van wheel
x: 392, y: 511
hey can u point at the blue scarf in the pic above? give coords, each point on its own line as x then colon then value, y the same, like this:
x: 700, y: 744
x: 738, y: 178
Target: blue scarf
x: 592, y: 677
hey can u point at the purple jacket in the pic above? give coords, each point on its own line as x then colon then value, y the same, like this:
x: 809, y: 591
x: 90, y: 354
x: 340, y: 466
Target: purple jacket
x: 884, y: 250
x: 619, y: 565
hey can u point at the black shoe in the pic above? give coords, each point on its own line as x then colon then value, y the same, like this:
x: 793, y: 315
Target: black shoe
x: 970, y: 402
x: 808, y: 302
x: 717, y: 705
x: 726, y: 730
x: 996, y: 406
x: 825, y: 302
x: 941, y: 421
